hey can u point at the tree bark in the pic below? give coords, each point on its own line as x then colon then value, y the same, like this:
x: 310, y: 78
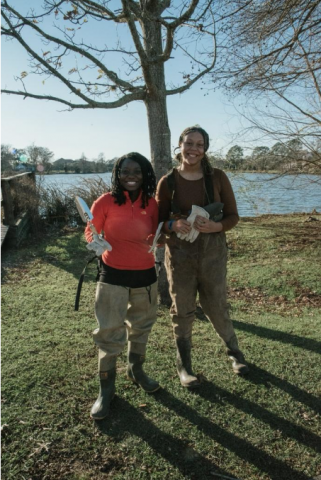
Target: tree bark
x: 161, y: 159
x: 159, y: 132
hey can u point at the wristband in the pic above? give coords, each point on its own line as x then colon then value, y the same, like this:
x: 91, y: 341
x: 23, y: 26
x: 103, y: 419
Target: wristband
x: 170, y: 224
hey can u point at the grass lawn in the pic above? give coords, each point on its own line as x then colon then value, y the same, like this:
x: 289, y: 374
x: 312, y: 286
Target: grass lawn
x: 264, y: 426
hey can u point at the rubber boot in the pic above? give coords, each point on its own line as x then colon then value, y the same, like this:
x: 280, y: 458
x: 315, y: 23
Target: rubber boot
x: 100, y: 408
x: 135, y: 371
x: 184, y: 363
x: 239, y: 364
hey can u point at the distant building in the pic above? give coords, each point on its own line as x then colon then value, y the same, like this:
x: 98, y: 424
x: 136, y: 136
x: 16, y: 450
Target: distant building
x: 23, y: 167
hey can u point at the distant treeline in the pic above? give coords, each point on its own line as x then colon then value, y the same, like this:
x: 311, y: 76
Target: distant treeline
x: 287, y: 157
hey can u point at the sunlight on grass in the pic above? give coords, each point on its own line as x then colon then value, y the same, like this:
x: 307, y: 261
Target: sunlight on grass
x: 264, y: 426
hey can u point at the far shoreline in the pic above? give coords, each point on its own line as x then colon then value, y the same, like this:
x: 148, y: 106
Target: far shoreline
x: 261, y: 172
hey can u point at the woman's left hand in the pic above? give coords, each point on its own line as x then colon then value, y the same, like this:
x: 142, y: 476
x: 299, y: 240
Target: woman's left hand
x: 204, y: 225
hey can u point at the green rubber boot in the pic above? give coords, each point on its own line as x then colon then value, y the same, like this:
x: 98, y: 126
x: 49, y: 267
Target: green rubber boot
x: 136, y: 374
x: 184, y: 363
x: 100, y: 408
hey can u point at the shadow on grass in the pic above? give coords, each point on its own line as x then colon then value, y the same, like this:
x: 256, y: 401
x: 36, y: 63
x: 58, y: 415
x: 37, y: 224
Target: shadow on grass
x: 241, y: 447
x: 175, y: 451
x: 63, y: 249
x: 275, y: 422
x: 283, y: 337
x: 262, y: 377
x: 172, y: 449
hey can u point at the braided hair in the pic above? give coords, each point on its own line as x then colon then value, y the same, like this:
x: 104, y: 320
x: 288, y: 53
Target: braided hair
x: 149, y: 179
x: 206, y: 166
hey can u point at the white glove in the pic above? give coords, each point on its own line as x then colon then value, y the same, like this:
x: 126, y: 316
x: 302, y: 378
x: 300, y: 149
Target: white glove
x: 190, y: 219
x: 182, y: 236
x: 98, y: 245
x: 193, y: 233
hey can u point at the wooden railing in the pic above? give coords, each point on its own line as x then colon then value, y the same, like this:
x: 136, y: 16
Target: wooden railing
x: 15, y: 227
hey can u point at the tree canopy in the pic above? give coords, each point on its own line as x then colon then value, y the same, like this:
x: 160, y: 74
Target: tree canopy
x: 274, y: 59
x: 108, y: 54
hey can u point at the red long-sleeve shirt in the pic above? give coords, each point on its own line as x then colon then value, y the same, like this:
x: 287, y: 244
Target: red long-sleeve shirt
x: 126, y: 227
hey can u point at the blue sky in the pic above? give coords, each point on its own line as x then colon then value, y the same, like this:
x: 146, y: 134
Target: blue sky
x: 113, y: 131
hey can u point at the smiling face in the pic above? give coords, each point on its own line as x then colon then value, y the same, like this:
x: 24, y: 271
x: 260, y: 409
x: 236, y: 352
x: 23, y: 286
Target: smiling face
x: 192, y: 149
x: 130, y: 175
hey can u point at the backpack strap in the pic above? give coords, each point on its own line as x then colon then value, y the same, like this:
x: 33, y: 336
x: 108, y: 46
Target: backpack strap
x: 209, y: 189
x: 171, y: 186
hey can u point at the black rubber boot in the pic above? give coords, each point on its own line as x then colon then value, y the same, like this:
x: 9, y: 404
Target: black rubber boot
x: 184, y: 363
x: 100, y: 408
x: 137, y: 375
x: 239, y: 364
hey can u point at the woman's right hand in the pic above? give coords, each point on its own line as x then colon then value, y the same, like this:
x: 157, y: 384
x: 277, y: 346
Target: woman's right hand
x: 181, y: 226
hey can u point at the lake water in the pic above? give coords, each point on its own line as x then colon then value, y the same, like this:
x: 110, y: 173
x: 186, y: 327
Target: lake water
x: 256, y: 193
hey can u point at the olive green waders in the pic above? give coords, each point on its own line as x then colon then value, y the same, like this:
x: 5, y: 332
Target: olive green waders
x: 200, y: 267
x: 123, y: 314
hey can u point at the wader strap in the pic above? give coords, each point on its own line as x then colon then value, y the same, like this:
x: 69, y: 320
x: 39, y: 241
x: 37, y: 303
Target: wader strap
x: 81, y: 279
x: 209, y: 190
x: 158, y: 265
x: 149, y: 295
x: 171, y: 185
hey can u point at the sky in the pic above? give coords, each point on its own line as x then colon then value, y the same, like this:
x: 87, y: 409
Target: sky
x: 114, y: 132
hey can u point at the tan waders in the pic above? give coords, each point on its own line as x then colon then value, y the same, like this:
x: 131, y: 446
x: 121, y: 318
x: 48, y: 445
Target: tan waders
x: 200, y: 267
x: 123, y: 314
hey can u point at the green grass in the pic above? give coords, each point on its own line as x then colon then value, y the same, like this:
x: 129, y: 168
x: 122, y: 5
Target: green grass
x: 264, y: 426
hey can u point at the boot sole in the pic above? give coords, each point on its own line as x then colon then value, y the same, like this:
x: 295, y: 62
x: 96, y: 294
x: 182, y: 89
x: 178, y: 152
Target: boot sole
x: 139, y: 385
x: 98, y: 418
x: 105, y: 416
x: 245, y: 372
x: 196, y: 385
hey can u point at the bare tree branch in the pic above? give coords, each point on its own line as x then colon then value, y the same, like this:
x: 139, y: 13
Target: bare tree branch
x: 118, y: 103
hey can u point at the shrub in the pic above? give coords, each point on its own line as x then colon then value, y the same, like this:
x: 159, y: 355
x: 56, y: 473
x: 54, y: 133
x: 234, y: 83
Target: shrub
x: 57, y: 206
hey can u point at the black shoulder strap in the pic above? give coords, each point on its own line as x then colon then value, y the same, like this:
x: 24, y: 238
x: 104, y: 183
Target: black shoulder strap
x: 171, y: 186
x: 81, y: 280
x: 171, y: 181
x: 209, y: 187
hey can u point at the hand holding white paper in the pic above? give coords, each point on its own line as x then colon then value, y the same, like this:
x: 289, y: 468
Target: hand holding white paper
x: 99, y: 244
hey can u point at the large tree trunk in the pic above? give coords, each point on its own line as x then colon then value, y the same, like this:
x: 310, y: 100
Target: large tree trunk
x: 159, y: 132
x: 155, y: 100
x: 161, y: 159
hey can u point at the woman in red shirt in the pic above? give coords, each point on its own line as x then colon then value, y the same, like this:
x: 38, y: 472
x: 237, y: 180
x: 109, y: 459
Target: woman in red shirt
x: 126, y: 295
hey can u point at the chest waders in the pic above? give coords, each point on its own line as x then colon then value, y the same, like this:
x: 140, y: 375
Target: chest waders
x: 215, y: 209
x: 182, y: 330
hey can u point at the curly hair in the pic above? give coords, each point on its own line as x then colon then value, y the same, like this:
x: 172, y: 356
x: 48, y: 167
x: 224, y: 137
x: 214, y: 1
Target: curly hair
x: 149, y: 178
x: 206, y: 166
